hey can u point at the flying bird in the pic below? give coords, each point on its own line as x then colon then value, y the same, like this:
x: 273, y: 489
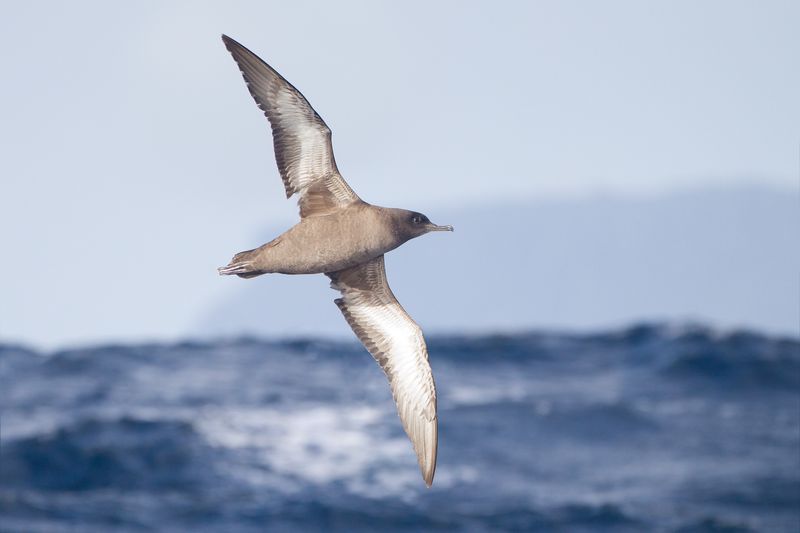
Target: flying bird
x: 345, y: 238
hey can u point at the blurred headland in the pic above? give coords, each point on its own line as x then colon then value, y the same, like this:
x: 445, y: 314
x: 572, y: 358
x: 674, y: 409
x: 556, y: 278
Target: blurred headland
x: 727, y: 256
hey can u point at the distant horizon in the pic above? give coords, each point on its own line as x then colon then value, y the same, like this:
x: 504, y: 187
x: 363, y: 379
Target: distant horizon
x: 676, y: 327
x: 339, y: 331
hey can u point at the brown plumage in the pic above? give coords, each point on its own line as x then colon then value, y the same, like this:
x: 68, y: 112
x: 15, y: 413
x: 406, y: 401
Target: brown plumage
x: 345, y: 238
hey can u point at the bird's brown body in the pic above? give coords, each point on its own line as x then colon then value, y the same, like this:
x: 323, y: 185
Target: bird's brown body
x: 342, y: 239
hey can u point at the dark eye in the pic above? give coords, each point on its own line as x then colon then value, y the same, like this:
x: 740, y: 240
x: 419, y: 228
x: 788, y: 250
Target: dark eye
x: 418, y: 219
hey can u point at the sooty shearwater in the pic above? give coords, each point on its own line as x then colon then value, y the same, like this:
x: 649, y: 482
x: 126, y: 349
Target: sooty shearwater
x: 345, y: 238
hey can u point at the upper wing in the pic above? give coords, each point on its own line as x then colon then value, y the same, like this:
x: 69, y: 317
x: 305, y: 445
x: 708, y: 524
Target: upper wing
x: 396, y: 342
x: 302, y: 140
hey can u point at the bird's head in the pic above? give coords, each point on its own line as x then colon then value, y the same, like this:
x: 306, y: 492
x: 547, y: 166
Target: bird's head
x: 410, y: 224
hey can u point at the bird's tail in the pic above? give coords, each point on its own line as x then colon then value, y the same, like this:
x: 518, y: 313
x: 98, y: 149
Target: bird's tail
x: 242, y: 265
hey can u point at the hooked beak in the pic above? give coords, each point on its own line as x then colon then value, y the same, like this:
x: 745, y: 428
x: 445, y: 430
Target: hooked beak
x: 434, y: 227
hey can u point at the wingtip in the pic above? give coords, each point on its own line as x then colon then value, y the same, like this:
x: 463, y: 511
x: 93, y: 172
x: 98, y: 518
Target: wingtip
x: 230, y: 43
x: 428, y: 472
x: 427, y: 460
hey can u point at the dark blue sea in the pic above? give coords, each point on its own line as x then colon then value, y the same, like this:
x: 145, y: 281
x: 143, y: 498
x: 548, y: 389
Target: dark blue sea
x: 651, y: 428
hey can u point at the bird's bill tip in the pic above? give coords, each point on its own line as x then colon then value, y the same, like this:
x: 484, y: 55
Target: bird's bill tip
x: 434, y: 227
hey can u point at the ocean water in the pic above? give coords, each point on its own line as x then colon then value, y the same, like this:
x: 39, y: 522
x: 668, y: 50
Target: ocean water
x: 650, y: 428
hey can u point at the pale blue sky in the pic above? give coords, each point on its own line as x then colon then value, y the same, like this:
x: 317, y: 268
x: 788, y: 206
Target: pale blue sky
x: 134, y: 162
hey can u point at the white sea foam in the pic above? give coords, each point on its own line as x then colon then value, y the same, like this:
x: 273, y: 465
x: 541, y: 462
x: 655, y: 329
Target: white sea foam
x: 317, y: 443
x: 473, y: 395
